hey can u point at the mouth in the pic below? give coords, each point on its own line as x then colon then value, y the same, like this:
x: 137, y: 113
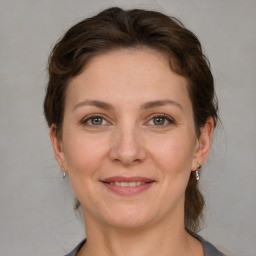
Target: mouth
x: 127, y: 185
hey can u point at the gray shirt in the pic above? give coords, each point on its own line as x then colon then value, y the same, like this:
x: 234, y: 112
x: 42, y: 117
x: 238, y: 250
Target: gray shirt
x: 209, y: 249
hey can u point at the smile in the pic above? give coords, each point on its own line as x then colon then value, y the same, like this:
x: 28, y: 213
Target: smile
x: 127, y: 186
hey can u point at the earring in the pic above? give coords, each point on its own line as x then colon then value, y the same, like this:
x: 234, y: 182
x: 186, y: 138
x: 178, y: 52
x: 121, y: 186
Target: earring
x: 197, y: 173
x: 64, y: 173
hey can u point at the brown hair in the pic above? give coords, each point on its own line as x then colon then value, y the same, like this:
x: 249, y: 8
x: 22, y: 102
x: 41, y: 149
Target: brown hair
x: 116, y: 28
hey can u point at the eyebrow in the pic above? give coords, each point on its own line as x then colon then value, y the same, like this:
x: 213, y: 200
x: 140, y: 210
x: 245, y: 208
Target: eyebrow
x: 96, y: 103
x: 147, y: 105
x: 159, y: 103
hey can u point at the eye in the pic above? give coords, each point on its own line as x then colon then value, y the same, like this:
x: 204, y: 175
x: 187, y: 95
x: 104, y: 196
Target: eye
x: 95, y: 120
x: 160, y: 120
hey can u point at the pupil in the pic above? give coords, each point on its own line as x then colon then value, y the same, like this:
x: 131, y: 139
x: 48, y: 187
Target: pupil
x: 159, y: 121
x: 97, y: 120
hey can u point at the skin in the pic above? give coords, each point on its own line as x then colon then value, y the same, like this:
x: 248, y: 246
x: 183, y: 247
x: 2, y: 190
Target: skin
x: 128, y: 140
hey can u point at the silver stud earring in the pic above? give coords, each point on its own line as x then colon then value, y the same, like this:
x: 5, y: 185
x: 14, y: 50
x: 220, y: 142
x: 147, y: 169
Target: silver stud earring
x: 63, y: 173
x: 197, y: 173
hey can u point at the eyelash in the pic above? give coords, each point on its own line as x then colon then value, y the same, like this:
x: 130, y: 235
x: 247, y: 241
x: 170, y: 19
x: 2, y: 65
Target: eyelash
x: 166, y: 117
x: 91, y: 117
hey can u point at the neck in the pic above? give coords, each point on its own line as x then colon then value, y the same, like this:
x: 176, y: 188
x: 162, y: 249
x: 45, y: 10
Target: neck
x: 158, y: 239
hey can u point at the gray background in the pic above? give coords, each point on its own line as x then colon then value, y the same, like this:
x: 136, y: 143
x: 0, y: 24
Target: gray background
x: 36, y: 215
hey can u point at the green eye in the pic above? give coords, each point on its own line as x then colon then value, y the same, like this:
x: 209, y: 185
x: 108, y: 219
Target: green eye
x: 159, y: 120
x: 96, y: 120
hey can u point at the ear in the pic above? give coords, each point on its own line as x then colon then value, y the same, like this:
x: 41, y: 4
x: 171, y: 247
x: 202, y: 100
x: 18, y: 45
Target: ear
x: 57, y: 148
x: 204, y: 142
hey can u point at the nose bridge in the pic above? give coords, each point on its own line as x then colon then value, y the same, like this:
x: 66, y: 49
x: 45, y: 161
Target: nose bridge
x: 127, y: 146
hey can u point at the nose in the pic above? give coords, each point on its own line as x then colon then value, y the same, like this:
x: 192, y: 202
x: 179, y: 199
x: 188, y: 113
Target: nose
x: 127, y: 146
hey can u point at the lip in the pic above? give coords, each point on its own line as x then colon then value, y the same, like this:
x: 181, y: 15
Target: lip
x: 127, y: 190
x: 127, y: 179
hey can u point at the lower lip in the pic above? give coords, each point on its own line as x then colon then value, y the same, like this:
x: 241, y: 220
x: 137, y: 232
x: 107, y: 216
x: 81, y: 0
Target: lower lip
x: 128, y: 191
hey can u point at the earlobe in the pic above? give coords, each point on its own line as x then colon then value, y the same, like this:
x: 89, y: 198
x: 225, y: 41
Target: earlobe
x: 204, y: 141
x: 57, y: 146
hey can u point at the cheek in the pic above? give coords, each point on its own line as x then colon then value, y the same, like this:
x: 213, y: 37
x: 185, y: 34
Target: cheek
x: 84, y: 154
x: 174, y: 154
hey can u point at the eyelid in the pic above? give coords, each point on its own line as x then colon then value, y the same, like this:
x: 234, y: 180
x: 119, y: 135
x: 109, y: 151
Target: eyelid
x: 169, y: 119
x: 91, y: 116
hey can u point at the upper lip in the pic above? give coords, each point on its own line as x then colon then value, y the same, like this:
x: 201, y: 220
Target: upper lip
x: 127, y: 179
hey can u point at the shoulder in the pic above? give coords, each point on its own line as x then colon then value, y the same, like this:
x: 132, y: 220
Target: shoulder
x: 76, y: 249
x: 209, y: 249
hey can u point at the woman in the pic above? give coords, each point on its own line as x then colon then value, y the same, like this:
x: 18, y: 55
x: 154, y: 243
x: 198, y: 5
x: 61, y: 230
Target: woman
x: 131, y: 110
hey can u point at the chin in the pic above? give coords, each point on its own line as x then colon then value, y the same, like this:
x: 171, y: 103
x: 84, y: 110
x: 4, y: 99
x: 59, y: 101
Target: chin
x: 129, y: 217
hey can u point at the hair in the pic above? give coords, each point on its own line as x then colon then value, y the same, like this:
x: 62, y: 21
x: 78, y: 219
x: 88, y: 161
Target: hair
x: 115, y: 28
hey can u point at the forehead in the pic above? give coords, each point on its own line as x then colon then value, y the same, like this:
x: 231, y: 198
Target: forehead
x: 123, y: 75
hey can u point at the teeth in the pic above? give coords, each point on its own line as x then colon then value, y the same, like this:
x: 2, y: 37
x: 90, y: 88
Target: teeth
x: 127, y: 184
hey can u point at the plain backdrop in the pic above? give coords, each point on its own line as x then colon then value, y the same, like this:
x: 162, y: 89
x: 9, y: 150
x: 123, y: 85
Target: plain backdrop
x: 36, y: 214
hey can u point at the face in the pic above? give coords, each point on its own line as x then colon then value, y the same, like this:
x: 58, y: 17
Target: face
x: 128, y: 139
